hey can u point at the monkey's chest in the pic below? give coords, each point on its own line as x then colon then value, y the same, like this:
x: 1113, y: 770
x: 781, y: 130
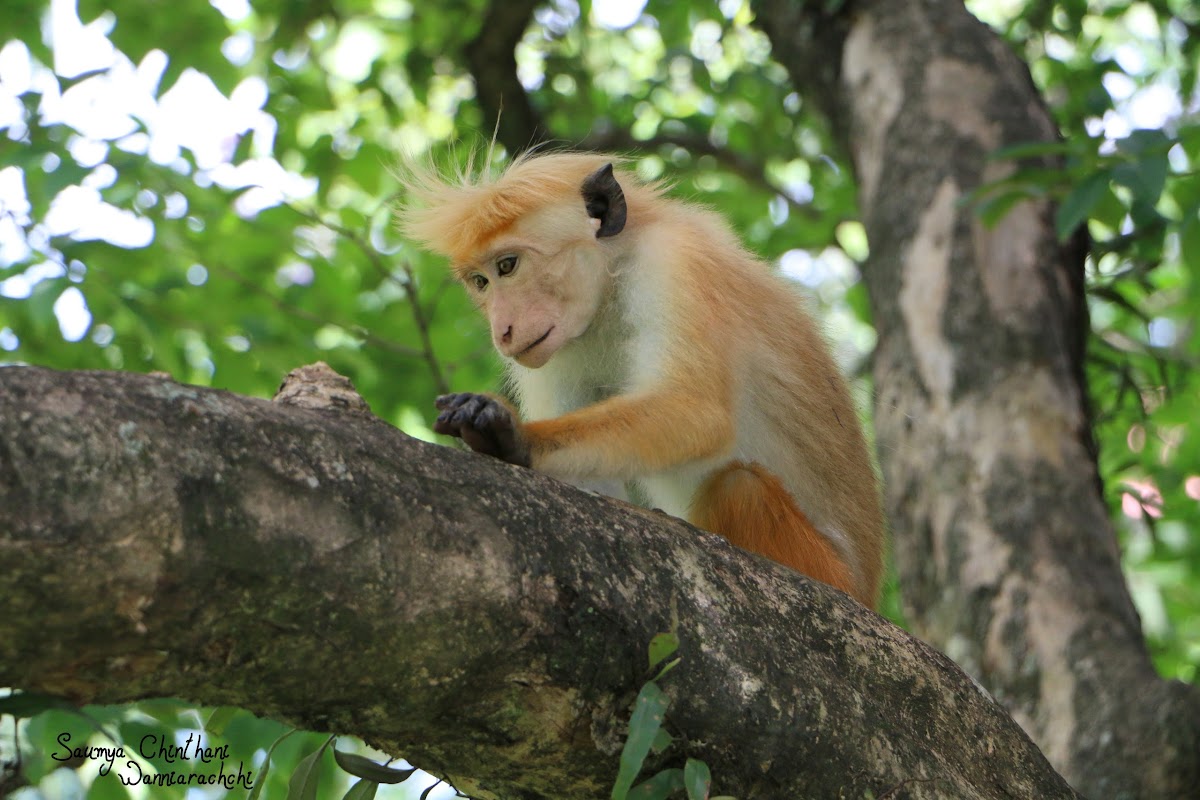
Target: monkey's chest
x: 601, y: 365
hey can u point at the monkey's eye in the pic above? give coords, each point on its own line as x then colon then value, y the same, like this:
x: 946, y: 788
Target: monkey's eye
x: 506, y: 265
x: 478, y: 281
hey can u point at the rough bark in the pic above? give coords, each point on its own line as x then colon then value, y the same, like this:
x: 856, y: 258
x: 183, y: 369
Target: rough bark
x: 1006, y: 554
x: 484, y: 621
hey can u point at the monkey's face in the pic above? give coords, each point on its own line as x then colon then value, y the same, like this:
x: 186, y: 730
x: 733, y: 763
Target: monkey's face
x: 542, y: 277
x: 540, y: 284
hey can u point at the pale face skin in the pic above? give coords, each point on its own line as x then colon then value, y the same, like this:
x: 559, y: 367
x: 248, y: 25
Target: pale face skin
x: 540, y: 284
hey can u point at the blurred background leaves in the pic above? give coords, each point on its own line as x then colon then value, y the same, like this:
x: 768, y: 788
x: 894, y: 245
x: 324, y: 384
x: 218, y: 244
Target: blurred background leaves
x: 205, y: 189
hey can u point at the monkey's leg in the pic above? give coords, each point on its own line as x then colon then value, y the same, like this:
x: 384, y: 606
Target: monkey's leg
x: 750, y: 507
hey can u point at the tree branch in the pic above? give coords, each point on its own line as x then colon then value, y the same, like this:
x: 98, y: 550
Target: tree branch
x: 751, y: 170
x: 486, y: 622
x: 409, y: 284
x: 491, y: 58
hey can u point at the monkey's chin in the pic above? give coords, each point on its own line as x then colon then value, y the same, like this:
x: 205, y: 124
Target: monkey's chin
x: 541, y: 353
x: 538, y: 357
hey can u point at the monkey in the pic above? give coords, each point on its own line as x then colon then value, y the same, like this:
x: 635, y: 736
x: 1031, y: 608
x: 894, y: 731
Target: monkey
x: 645, y: 346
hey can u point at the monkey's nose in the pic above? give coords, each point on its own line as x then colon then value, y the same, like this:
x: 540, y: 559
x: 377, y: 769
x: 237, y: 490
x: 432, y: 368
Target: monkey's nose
x: 507, y: 337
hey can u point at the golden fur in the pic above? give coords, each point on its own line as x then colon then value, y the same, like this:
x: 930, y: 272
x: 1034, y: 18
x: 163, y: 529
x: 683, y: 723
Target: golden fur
x: 675, y: 360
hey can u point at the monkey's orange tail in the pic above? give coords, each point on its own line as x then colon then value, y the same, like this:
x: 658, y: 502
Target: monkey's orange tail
x: 750, y: 507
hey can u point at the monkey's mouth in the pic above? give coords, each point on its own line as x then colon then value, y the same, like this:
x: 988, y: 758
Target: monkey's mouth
x: 539, y: 340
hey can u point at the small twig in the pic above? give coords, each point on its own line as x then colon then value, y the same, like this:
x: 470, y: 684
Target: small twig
x: 422, y: 323
x: 436, y: 299
x: 753, y: 171
x: 409, y: 285
x: 308, y: 316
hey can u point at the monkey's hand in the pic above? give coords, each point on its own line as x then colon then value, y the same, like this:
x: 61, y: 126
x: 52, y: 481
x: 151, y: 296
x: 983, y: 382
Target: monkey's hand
x: 487, y: 425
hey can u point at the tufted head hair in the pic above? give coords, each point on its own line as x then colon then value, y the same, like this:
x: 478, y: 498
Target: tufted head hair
x: 455, y: 216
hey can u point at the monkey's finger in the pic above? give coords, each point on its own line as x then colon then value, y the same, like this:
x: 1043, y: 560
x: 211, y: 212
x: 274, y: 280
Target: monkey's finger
x: 461, y: 415
x: 446, y: 425
x: 466, y: 411
x: 453, y: 400
x: 447, y: 430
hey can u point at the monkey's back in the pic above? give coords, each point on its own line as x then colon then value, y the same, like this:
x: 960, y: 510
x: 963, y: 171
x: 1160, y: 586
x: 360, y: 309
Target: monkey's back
x: 793, y: 410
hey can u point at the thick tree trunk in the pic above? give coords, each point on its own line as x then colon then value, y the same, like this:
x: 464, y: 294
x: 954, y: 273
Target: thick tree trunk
x: 484, y: 621
x: 1007, y: 557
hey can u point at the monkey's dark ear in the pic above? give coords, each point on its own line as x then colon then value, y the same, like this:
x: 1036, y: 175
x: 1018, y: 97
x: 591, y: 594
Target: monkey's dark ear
x: 605, y: 201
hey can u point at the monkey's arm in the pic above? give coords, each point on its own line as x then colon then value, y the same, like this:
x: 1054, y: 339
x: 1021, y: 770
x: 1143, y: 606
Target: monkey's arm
x: 620, y: 438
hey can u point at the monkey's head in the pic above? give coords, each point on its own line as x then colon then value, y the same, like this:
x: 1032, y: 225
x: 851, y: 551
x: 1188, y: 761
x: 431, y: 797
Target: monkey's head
x: 534, y: 247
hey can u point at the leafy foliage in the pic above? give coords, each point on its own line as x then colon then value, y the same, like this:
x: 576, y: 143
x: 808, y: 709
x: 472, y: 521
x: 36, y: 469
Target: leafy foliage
x: 206, y: 192
x: 647, y: 736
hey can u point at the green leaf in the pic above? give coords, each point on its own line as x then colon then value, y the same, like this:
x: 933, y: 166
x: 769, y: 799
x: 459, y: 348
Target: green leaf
x: 660, y: 787
x: 1075, y: 206
x: 23, y: 21
x: 697, y: 779
x: 23, y: 705
x: 994, y: 208
x: 27, y: 705
x: 44, y: 186
x: 662, y: 740
x: 363, y: 790
x: 661, y: 646
x: 1145, y: 178
x: 1189, y: 242
x: 859, y: 302
x: 1022, y: 150
x: 266, y: 767
x: 1149, y: 224
x: 1189, y: 139
x: 362, y: 767
x: 187, y: 35
x: 220, y: 718
x: 1143, y: 141
x: 648, y: 711
x: 306, y: 779
x: 107, y: 788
